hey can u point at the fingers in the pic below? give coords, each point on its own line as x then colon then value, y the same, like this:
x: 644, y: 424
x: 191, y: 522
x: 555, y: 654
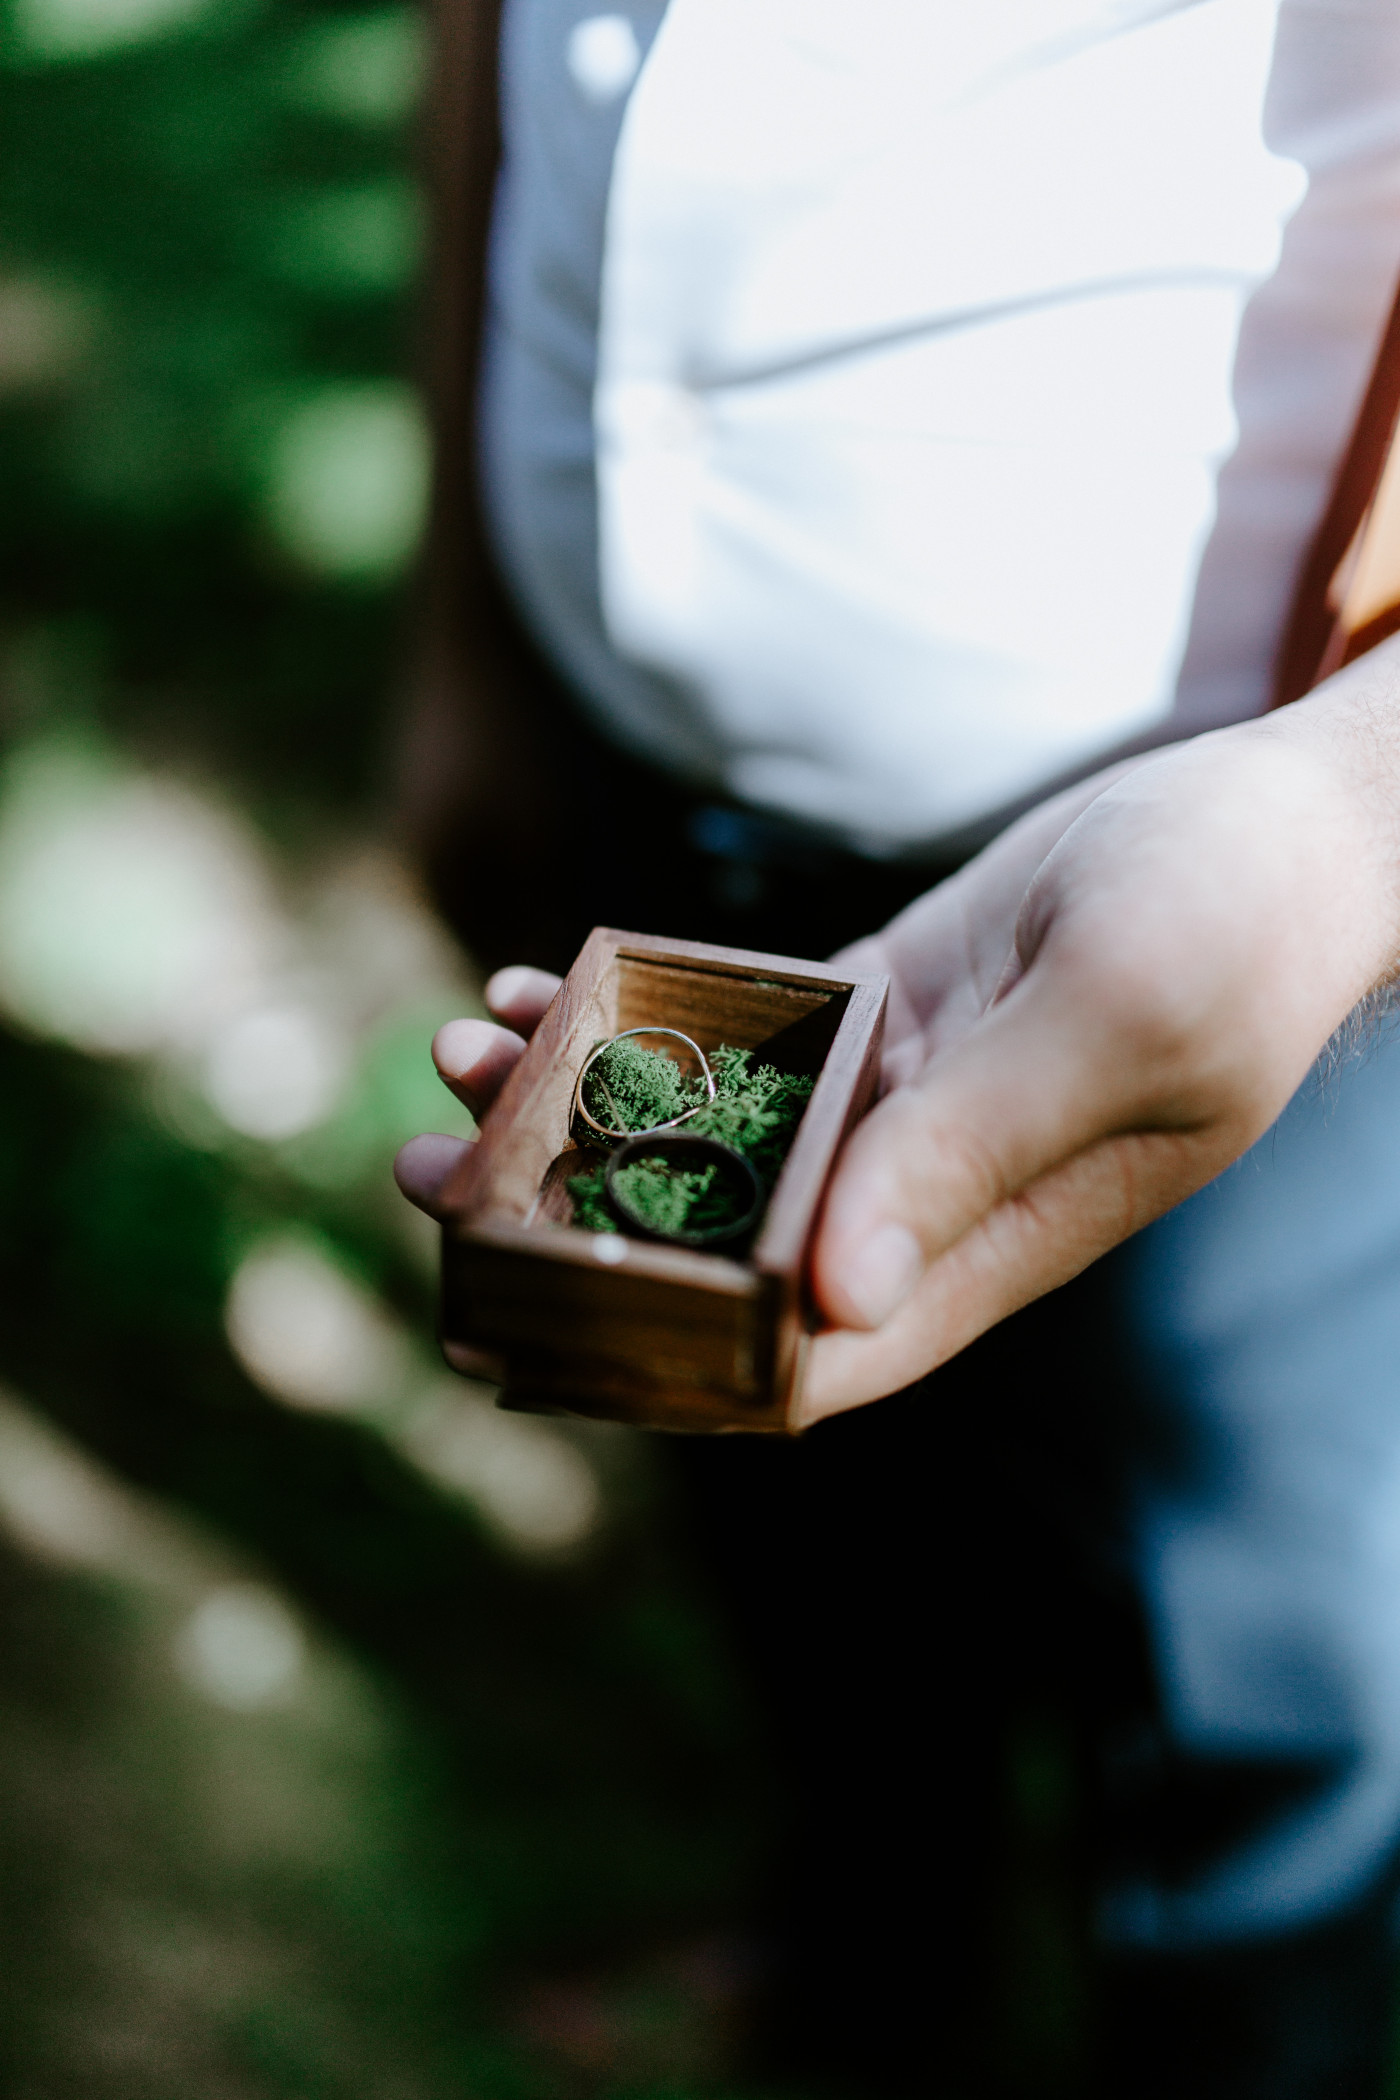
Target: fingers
x: 474, y: 1060
x: 423, y: 1167
x: 1028, y: 1245
x: 519, y: 996
x: 474, y: 1363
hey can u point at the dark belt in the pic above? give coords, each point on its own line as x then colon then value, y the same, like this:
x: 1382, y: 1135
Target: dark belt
x: 613, y: 841
x: 799, y: 890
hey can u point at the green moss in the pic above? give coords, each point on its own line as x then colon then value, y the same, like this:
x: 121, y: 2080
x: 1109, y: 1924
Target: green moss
x: 633, y: 1088
x: 756, y: 1110
x: 669, y: 1199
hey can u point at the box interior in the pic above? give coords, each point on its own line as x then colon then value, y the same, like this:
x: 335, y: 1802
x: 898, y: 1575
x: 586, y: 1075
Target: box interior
x: 791, y: 1025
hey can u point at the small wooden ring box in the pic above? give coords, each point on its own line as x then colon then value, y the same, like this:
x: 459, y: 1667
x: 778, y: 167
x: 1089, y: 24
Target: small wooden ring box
x: 629, y: 1329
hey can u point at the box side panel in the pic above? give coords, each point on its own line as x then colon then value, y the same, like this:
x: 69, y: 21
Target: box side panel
x: 610, y: 1393
x: 663, y: 1331
x: 845, y: 1089
x: 528, y: 1124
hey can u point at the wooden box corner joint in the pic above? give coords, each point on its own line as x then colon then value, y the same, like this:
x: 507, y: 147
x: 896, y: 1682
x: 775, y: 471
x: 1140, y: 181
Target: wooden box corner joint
x: 632, y: 1330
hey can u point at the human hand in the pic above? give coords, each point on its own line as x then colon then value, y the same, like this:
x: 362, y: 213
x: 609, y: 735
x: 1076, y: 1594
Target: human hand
x: 474, y: 1060
x: 1098, y: 1015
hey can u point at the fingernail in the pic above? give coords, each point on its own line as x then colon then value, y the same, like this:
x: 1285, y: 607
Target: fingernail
x: 506, y: 983
x: 458, y: 1045
x: 883, y: 1271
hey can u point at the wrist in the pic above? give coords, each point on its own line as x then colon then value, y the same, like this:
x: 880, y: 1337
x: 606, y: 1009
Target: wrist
x: 1348, y: 733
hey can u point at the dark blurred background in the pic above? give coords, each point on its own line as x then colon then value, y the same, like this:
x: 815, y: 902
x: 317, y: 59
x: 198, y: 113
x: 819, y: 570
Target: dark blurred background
x: 356, y: 1739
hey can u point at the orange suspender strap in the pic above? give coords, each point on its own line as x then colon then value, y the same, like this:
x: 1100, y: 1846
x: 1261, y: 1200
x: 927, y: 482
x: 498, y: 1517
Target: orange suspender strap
x: 1348, y: 595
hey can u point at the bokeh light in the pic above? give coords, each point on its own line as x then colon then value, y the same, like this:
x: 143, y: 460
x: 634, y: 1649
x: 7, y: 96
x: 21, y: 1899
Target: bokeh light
x: 362, y: 68
x: 240, y: 1647
x: 133, y: 913
x: 533, y: 1486
x: 305, y: 1331
x: 348, y: 479
x: 75, y: 29
x: 276, y: 1071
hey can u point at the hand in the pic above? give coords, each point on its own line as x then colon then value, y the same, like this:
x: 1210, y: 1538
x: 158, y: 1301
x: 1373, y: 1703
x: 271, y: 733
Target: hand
x: 1099, y: 1014
x: 1087, y: 1024
x: 474, y: 1059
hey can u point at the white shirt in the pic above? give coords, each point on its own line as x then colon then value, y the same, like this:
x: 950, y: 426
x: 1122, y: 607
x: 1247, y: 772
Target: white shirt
x: 968, y: 380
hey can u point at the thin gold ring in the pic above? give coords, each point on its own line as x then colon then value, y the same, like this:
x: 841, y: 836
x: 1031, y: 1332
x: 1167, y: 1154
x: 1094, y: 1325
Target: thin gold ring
x: 601, y: 1133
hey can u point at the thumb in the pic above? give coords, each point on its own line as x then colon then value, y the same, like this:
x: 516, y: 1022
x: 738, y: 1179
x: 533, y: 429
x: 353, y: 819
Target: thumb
x: 1030, y: 1087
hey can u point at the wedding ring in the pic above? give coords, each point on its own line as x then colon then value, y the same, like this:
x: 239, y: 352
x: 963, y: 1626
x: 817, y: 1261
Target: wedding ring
x: 693, y: 1152
x: 586, y: 1126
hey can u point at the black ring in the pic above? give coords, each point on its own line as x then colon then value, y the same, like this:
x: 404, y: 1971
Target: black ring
x: 702, y: 1151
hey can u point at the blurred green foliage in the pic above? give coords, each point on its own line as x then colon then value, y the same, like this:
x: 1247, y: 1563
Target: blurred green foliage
x: 476, y: 1850
x: 209, y: 237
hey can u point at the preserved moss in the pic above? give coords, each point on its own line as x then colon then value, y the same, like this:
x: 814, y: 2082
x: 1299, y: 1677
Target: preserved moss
x: 756, y: 1111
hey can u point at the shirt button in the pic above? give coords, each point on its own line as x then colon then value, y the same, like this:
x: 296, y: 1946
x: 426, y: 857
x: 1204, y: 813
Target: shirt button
x: 602, y: 56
